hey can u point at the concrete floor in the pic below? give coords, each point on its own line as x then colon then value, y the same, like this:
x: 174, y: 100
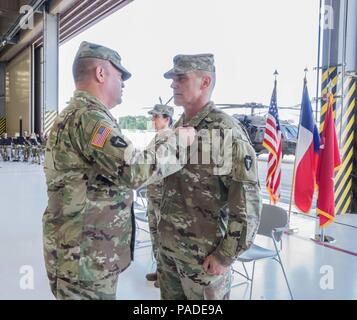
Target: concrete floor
x: 23, y: 200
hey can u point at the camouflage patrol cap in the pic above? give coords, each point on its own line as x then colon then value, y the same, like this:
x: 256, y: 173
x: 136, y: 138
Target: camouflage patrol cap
x: 92, y: 50
x: 162, y: 109
x: 184, y: 63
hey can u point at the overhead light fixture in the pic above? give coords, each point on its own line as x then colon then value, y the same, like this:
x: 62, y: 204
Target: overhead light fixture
x: 10, y: 37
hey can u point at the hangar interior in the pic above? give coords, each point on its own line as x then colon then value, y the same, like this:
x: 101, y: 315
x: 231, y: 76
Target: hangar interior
x: 30, y: 35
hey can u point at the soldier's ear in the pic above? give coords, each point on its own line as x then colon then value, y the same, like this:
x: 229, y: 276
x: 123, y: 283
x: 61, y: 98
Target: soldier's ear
x: 206, y: 82
x: 99, y: 73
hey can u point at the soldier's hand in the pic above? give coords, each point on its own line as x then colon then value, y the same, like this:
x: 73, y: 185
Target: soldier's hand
x: 186, y: 135
x: 212, y: 266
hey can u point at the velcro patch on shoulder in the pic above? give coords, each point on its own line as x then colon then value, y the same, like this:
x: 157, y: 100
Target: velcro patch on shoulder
x: 100, y: 136
x: 118, y: 142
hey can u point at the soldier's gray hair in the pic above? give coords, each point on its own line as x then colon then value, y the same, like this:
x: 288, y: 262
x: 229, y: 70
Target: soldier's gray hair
x: 202, y: 73
x: 82, y: 68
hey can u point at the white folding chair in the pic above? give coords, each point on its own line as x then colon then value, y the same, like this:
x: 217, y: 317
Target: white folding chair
x: 273, y: 223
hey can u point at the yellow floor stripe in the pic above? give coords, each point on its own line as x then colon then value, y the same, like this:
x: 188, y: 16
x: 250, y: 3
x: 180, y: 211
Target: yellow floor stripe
x: 334, y: 83
x: 338, y: 106
x: 326, y: 73
x: 343, y: 181
x: 324, y: 76
x: 347, y: 129
x: 350, y: 107
x: 347, y: 143
x: 347, y: 205
x: 347, y: 102
x: 343, y: 185
x: 351, y: 91
x: 49, y: 120
x: 347, y: 82
x: 50, y: 116
x: 2, y: 125
x: 348, y: 188
x: 344, y: 164
x: 323, y: 109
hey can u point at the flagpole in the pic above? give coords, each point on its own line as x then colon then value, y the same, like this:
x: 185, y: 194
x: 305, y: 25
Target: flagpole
x: 273, y: 146
x: 294, y: 229
x: 322, y: 237
x: 275, y: 74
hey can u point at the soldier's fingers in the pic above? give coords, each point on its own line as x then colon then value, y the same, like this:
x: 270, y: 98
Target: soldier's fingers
x: 217, y: 269
x: 205, y: 265
x: 213, y: 271
x: 210, y: 269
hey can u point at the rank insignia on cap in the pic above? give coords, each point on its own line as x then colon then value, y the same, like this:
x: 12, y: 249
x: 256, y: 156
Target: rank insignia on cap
x: 100, y: 136
x: 248, y: 162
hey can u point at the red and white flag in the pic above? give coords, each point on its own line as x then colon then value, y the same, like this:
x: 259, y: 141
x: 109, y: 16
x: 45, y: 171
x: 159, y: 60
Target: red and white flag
x: 306, y: 155
x: 273, y: 142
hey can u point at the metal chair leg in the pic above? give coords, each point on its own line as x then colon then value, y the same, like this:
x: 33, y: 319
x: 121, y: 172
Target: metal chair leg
x: 245, y: 270
x: 286, y: 278
x: 246, y: 276
x: 282, y: 267
x: 251, y: 284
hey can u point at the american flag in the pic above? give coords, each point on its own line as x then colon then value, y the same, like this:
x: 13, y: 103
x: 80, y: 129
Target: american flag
x: 101, y: 136
x: 273, y: 142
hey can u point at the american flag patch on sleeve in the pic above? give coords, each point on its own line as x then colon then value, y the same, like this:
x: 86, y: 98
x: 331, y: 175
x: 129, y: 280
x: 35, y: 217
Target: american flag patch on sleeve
x: 100, y: 136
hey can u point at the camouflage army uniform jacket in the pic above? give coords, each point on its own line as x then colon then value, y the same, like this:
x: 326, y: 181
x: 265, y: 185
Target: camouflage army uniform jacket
x: 154, y: 191
x: 205, y: 213
x: 87, y: 226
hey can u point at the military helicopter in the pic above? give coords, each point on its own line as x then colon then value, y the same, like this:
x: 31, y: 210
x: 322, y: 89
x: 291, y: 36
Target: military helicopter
x: 255, y: 126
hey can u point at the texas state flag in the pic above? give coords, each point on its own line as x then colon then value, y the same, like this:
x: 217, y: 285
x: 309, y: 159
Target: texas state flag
x: 307, y: 151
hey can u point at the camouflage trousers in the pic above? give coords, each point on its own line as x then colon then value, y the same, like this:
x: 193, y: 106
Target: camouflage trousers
x: 104, y: 289
x: 153, y: 212
x: 5, y: 153
x: 180, y: 280
x: 35, y: 155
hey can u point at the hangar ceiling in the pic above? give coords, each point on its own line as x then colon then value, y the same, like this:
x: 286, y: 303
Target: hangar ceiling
x: 75, y: 16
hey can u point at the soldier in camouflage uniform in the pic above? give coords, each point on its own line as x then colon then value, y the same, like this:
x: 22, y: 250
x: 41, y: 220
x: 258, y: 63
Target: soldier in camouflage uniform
x: 6, y: 147
x: 35, y: 148
x: 210, y: 210
x: 90, y: 170
x: 162, y: 120
x: 20, y: 148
